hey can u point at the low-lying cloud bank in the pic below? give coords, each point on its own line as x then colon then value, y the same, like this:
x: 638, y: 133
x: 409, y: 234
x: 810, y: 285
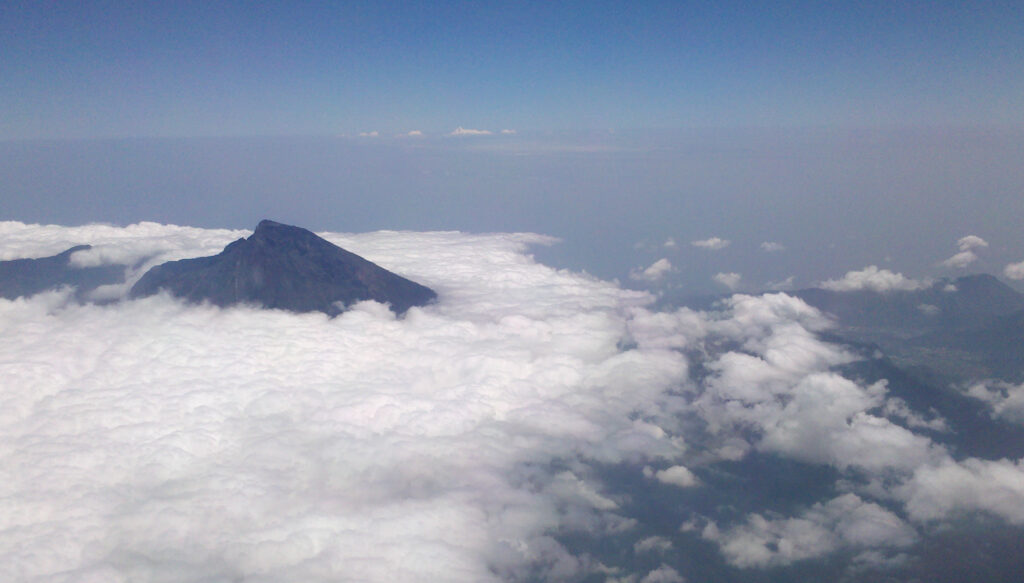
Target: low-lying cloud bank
x: 151, y: 440
x: 871, y: 278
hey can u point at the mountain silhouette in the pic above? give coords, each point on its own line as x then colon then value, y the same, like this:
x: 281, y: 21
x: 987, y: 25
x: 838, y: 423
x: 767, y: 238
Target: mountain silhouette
x: 27, y: 277
x: 283, y: 267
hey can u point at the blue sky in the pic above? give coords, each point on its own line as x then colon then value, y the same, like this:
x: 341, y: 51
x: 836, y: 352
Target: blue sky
x: 116, y: 69
x: 851, y: 134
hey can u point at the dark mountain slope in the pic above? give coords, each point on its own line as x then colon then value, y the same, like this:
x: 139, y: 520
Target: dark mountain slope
x: 26, y: 277
x: 283, y: 267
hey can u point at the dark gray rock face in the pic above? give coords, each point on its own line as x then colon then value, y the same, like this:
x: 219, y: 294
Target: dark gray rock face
x: 27, y: 277
x: 283, y: 267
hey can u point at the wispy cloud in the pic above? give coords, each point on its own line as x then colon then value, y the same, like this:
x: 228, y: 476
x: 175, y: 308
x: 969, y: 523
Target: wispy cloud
x: 461, y: 131
x: 654, y: 272
x: 729, y: 280
x: 772, y: 247
x: 713, y: 244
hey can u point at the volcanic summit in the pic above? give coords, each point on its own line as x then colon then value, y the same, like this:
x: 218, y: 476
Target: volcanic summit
x: 283, y: 267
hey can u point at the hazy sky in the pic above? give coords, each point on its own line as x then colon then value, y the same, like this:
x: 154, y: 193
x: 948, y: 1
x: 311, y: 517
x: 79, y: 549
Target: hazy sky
x: 808, y: 139
x: 228, y: 68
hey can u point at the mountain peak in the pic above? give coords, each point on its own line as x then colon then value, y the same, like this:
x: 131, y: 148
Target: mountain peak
x: 284, y: 267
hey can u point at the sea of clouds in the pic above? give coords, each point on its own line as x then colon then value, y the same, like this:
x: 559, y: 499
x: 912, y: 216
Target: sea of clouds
x: 151, y: 440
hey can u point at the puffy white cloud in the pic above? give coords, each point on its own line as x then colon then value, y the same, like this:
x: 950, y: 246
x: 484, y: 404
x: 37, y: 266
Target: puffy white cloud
x: 712, y: 244
x: 372, y: 134
x: 846, y: 521
x: 670, y: 243
x: 729, y: 280
x: 651, y: 544
x: 414, y: 134
x: 461, y: 131
x: 971, y: 242
x: 943, y: 489
x: 1006, y: 399
x: 960, y: 260
x: 508, y: 132
x: 874, y: 279
x: 966, y: 256
x: 779, y: 390
x: 150, y: 439
x: 772, y: 247
x: 676, y: 475
x: 1014, y: 270
x: 654, y: 272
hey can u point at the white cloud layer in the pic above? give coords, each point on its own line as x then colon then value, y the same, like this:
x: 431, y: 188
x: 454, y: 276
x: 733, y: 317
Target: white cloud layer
x: 872, y: 278
x: 149, y: 440
x: 712, y: 244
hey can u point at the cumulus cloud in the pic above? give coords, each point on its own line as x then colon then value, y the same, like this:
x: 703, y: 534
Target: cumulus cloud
x: 651, y: 544
x: 971, y: 242
x: 508, y: 131
x: 654, y: 272
x: 943, y: 489
x: 966, y: 256
x: 729, y: 280
x: 772, y: 247
x: 372, y: 134
x: 676, y: 475
x: 1006, y: 399
x: 872, y: 278
x: 846, y: 521
x: 712, y: 244
x: 414, y: 134
x: 1014, y: 271
x: 461, y: 131
x: 670, y: 243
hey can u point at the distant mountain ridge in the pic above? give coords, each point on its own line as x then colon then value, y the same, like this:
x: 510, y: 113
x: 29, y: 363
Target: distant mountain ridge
x: 27, y: 277
x: 283, y: 267
x: 965, y: 302
x: 961, y: 330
